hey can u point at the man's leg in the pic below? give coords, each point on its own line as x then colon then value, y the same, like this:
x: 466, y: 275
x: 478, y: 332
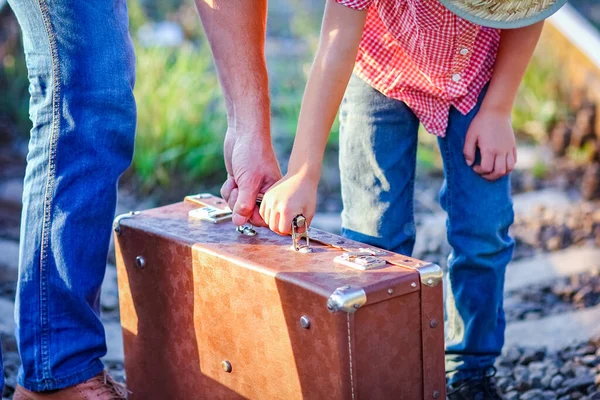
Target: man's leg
x: 479, y: 216
x: 378, y: 147
x: 81, y: 68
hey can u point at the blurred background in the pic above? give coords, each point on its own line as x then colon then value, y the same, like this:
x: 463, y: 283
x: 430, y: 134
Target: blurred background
x: 553, y: 285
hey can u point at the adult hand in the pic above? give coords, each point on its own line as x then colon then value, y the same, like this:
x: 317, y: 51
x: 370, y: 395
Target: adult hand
x: 252, y: 168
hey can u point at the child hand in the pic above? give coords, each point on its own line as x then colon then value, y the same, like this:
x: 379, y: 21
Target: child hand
x: 492, y: 133
x: 293, y: 195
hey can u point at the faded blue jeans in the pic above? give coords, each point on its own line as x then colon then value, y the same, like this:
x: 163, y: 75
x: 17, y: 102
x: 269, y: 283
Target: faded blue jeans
x: 81, y: 70
x: 378, y: 148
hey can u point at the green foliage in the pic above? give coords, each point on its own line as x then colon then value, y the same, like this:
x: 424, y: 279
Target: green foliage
x: 538, y: 103
x: 181, y: 116
x: 14, y: 101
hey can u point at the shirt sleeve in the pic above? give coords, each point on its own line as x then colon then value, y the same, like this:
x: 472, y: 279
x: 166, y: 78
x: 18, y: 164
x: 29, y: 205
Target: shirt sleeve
x: 355, y: 4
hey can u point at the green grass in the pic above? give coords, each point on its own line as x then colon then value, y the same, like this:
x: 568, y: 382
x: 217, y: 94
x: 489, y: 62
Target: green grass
x: 538, y: 104
x: 181, y: 116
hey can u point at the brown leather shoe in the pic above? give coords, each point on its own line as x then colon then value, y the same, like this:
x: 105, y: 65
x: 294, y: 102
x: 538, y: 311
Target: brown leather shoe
x: 100, y: 387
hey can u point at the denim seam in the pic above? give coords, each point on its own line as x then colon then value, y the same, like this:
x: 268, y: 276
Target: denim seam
x: 56, y: 89
x: 66, y: 381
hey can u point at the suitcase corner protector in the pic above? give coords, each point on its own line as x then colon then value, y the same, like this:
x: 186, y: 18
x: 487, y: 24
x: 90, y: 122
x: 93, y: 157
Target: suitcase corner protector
x: 347, y: 299
x: 119, y: 218
x: 431, y: 274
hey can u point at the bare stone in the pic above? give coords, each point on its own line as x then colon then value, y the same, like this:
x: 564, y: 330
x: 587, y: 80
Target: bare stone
x: 533, y: 394
x: 9, y: 260
x: 512, y: 395
x: 556, y: 382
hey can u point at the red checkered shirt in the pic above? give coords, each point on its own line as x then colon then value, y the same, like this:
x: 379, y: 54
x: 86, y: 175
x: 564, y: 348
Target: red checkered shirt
x: 420, y: 53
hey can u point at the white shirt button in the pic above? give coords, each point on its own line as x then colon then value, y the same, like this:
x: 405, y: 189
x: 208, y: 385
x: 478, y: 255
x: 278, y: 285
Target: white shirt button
x: 456, y: 77
x: 464, y: 51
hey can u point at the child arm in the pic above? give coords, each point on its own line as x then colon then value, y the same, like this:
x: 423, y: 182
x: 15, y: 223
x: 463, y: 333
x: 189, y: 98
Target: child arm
x: 491, y: 130
x: 296, y: 193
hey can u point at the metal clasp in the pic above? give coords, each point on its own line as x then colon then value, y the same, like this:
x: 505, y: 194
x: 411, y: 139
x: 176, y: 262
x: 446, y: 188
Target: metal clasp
x: 299, y: 232
x: 211, y: 214
x: 361, y: 260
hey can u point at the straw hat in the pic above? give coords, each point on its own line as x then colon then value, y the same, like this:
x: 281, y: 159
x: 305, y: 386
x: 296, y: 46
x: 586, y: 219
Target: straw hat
x: 504, y: 14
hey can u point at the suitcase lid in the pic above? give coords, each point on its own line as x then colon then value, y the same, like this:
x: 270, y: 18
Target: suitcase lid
x: 329, y: 269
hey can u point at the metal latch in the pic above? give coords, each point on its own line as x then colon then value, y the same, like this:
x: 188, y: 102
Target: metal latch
x: 299, y: 232
x: 211, y: 214
x: 360, y: 260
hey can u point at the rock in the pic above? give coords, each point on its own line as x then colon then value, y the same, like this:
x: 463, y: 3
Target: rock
x: 594, y: 396
x: 503, y: 384
x: 547, y: 381
x: 597, y: 380
x: 109, y: 298
x: 538, y: 366
x: 576, y: 396
x: 9, y: 260
x: 114, y: 343
x: 589, y: 360
x: 521, y: 375
x: 552, y: 370
x: 547, y: 395
x: 571, y: 385
x: 535, y: 380
x: 586, y: 350
x: 511, y: 356
x: 590, y: 184
x: 7, y: 321
x: 11, y: 192
x: 531, y: 355
x: 512, y: 395
x: 581, y: 371
x: 556, y: 382
x: 560, y: 137
x: 502, y: 372
x: 533, y: 394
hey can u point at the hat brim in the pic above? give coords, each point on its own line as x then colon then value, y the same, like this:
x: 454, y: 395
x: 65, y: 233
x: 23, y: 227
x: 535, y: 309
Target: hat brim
x: 503, y: 24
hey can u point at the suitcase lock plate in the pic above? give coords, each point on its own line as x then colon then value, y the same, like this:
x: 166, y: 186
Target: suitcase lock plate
x: 361, y: 260
x: 211, y: 214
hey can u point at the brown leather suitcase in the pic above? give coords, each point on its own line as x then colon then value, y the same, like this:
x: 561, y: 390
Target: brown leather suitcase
x: 214, y: 312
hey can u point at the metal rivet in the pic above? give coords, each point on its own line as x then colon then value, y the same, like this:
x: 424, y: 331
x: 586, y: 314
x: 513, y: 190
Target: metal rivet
x: 204, y: 196
x: 436, y: 394
x: 433, y: 323
x: 407, y: 261
x: 345, y: 287
x: 414, y: 284
x: 430, y: 281
x: 140, y: 262
x: 390, y: 291
x: 340, y: 242
x: 304, y: 322
x: 226, y: 365
x: 357, y: 306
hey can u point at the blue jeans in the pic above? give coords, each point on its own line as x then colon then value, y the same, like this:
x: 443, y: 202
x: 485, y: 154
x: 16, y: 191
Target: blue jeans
x: 81, y: 70
x: 378, y: 147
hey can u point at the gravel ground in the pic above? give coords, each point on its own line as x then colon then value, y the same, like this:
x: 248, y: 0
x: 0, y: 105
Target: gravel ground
x: 566, y: 294
x: 569, y: 374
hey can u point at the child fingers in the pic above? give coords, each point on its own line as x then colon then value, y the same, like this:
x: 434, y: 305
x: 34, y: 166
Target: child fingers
x: 499, y: 168
x: 274, y: 221
x: 470, y: 148
x: 285, y: 223
x: 510, y: 161
x: 487, y: 163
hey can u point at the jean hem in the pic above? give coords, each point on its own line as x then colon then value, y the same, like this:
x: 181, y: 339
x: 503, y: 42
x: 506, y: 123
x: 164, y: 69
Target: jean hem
x: 68, y: 381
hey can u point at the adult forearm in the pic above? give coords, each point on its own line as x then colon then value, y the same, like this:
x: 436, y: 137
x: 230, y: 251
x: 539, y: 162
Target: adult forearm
x: 236, y: 33
x: 514, y: 54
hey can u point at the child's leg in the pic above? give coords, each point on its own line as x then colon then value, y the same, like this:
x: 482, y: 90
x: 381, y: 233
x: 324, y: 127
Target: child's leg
x: 479, y: 215
x: 378, y: 145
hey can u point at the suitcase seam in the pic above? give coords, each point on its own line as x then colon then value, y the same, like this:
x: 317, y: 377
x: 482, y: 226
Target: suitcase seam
x: 350, y: 353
